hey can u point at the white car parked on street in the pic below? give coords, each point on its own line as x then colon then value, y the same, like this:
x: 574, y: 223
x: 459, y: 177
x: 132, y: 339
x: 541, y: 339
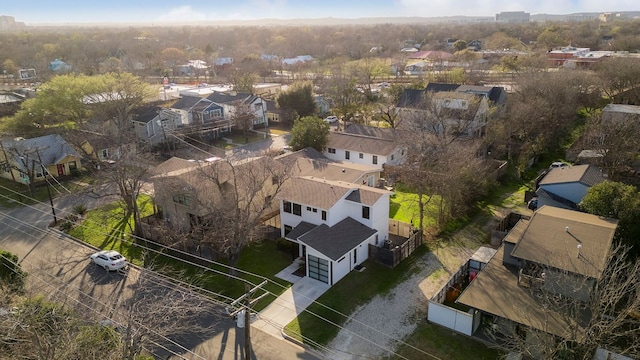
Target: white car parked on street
x: 109, y: 260
x: 331, y: 119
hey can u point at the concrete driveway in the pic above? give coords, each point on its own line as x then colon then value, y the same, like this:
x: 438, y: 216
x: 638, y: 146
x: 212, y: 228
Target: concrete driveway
x: 290, y: 304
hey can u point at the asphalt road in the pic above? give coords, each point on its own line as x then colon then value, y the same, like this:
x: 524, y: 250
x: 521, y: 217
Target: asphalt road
x: 60, y: 267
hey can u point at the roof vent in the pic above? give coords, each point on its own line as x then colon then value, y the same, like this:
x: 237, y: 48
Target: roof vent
x: 566, y: 228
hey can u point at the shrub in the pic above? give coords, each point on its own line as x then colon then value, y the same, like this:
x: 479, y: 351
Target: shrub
x: 11, y: 274
x: 80, y: 209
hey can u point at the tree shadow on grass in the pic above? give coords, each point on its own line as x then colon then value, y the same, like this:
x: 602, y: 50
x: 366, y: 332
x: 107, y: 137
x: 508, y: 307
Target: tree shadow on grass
x: 115, y: 234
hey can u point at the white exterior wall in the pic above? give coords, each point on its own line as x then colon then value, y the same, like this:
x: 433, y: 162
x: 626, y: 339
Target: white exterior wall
x: 342, y: 267
x: 451, y: 318
x: 570, y: 191
x: 380, y: 219
x: 306, y: 215
x: 354, y: 157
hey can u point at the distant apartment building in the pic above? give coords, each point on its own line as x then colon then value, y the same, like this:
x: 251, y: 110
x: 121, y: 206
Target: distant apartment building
x: 8, y: 23
x: 513, y: 17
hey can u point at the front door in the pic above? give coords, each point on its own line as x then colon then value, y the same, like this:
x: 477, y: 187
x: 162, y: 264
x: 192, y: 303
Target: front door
x: 60, y: 169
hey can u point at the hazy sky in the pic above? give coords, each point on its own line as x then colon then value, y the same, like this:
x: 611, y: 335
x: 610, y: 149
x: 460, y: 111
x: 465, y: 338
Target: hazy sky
x: 83, y: 11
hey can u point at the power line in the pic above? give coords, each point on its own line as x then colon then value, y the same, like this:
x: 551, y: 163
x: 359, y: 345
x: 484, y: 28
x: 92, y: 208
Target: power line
x: 390, y: 337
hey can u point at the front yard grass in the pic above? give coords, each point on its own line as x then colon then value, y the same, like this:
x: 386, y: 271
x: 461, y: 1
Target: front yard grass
x: 13, y: 194
x: 105, y: 228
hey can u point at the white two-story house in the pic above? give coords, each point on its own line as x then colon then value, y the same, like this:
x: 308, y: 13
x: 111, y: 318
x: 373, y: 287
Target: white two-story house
x: 333, y: 222
x: 364, y: 149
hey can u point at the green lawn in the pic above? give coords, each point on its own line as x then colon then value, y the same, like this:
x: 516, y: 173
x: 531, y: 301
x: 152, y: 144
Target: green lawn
x: 445, y: 344
x: 355, y: 289
x: 105, y: 228
x: 13, y: 194
x: 404, y: 207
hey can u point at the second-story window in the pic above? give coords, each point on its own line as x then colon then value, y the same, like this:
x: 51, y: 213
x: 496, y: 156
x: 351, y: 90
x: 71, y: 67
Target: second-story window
x: 297, y: 209
x: 365, y: 212
x: 286, y: 206
x: 361, y: 156
x: 375, y: 159
x: 331, y: 150
x: 347, y: 155
x: 324, y: 215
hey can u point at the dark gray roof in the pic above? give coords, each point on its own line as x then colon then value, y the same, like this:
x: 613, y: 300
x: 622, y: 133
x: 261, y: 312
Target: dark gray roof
x: 186, y: 102
x: 334, y: 242
x: 302, y: 228
x: 354, y: 196
x: 410, y: 98
x: 380, y: 133
x: 440, y: 87
x: 201, y: 105
x: 147, y: 115
x: 222, y: 98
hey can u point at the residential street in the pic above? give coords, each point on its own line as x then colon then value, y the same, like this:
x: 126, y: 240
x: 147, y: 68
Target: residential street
x: 60, y: 267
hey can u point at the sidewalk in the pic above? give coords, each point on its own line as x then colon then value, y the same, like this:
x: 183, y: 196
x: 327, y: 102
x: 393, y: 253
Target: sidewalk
x: 292, y: 302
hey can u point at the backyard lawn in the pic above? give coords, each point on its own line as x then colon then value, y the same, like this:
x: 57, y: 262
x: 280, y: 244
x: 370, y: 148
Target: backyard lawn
x: 404, y: 207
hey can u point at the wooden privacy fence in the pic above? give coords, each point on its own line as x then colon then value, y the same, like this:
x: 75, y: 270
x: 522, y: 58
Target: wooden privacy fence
x: 400, y: 228
x: 391, y: 255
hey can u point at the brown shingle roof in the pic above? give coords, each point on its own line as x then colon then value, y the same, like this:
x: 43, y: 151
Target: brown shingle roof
x: 309, y: 162
x: 495, y: 291
x: 361, y: 143
x: 586, y: 174
x: 553, y: 235
x: 324, y: 194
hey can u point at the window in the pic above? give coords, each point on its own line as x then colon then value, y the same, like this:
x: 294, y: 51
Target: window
x: 324, y: 215
x: 365, y: 212
x: 402, y: 152
x: 392, y: 155
x: 361, y: 156
x: 287, y: 229
x: 267, y: 201
x: 275, y: 180
x: 308, y: 208
x: 182, y: 199
x: 297, y: 209
x: 105, y: 153
x: 347, y: 154
x: 331, y: 150
x: 314, y: 210
x: 286, y: 206
x: 73, y: 166
x: 375, y: 159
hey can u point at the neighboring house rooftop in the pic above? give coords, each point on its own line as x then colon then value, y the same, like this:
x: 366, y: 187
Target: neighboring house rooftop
x: 334, y: 242
x: 222, y: 98
x: 371, y: 131
x: 553, y: 235
x: 51, y: 148
x: 543, y: 239
x: 310, y: 162
x: 622, y: 108
x: 174, y: 166
x: 325, y: 193
x: 361, y: 143
x: 186, y: 102
x: 147, y: 115
x: 586, y: 174
x: 411, y: 98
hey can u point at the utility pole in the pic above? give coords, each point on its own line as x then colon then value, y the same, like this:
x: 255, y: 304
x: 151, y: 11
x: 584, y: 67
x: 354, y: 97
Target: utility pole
x: 45, y: 171
x: 248, y: 303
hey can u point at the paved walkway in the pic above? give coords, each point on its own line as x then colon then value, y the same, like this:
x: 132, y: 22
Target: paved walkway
x: 292, y: 302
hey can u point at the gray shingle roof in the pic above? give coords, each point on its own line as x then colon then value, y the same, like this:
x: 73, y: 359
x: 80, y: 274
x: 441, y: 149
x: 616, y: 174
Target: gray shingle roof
x: 51, y: 149
x: 381, y: 133
x: 302, y: 228
x: 186, y: 102
x: 334, y: 242
x: 361, y: 143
